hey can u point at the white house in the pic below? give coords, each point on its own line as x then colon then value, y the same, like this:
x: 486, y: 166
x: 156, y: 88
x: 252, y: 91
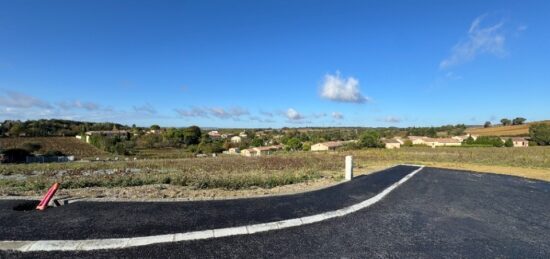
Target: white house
x: 234, y: 151
x: 391, y: 143
x: 214, y: 134
x: 325, y: 146
x: 520, y: 142
x: 260, y: 151
x: 236, y: 139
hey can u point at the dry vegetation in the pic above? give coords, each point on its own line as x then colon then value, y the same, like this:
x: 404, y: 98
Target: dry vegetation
x: 235, y: 175
x: 513, y: 130
x: 67, y: 145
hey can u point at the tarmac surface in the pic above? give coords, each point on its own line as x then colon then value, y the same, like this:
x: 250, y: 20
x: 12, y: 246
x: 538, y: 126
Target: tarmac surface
x: 437, y: 213
x: 91, y: 220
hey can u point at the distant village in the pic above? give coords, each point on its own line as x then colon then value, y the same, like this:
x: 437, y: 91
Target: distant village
x: 388, y: 143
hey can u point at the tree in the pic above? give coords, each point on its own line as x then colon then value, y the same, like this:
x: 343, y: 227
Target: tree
x: 505, y: 122
x: 294, y: 144
x: 191, y: 135
x: 256, y: 142
x: 487, y: 124
x: 540, y: 133
x: 518, y: 121
x: 155, y: 127
x: 509, y: 143
x: 370, y: 139
x: 15, y: 130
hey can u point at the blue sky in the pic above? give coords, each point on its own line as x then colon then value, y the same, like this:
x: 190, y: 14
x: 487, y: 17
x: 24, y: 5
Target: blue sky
x: 275, y: 63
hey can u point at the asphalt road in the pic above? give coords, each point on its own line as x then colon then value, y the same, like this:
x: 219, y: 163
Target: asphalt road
x: 437, y: 213
x: 89, y: 220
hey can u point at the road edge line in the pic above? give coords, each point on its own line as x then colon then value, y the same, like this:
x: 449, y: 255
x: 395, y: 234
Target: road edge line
x: 120, y: 243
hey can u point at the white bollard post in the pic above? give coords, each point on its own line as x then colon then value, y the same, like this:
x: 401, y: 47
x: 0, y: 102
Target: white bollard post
x: 349, y: 168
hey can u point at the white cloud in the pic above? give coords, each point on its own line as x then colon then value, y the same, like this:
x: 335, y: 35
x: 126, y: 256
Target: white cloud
x: 339, y: 89
x: 293, y: 115
x: 337, y: 115
x: 481, y: 40
x: 19, y: 100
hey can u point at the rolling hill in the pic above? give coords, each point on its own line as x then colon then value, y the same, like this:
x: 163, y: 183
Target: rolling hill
x: 67, y: 145
x: 509, y: 131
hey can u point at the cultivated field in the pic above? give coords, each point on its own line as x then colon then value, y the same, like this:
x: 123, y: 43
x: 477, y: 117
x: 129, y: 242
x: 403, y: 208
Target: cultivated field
x: 235, y: 175
x: 67, y: 145
x: 514, y: 130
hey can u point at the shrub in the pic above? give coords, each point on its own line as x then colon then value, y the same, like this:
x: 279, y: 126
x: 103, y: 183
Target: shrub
x: 509, y: 143
x: 540, y: 133
x: 370, y: 139
x: 54, y: 153
x: 15, y: 155
x: 31, y: 146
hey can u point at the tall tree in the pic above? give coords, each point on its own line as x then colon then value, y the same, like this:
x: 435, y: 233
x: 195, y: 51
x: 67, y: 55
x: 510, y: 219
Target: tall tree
x: 518, y: 121
x: 540, y: 133
x: 505, y: 122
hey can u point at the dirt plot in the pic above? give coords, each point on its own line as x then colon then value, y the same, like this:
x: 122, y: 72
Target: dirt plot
x: 236, y: 176
x: 67, y: 145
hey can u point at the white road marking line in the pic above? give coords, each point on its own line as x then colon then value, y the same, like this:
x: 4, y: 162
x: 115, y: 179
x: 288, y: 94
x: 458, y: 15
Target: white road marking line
x: 117, y: 243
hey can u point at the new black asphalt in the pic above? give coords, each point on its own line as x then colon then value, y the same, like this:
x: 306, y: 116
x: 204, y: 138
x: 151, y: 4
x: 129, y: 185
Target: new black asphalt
x: 90, y: 220
x: 436, y: 214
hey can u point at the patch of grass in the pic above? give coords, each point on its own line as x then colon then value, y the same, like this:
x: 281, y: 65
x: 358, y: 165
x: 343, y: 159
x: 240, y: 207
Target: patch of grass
x: 236, y: 173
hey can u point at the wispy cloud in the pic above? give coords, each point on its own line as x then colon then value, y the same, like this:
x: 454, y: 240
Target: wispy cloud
x: 265, y: 113
x: 392, y: 119
x: 337, y: 115
x: 319, y: 115
x: 146, y: 108
x: 222, y: 113
x: 336, y: 88
x: 259, y: 119
x: 480, y: 39
x: 13, y: 99
x: 192, y: 112
x: 89, y: 106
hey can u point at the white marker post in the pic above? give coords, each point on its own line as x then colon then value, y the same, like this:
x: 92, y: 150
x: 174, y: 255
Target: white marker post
x: 349, y: 168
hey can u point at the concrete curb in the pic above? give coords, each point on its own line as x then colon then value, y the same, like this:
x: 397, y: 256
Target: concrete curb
x: 118, y: 243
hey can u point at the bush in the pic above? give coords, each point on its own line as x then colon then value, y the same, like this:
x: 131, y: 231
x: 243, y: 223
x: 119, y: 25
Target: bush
x: 31, y: 146
x: 54, y: 153
x: 15, y: 155
x: 540, y: 133
x: 370, y: 139
x: 509, y: 143
x: 484, y: 141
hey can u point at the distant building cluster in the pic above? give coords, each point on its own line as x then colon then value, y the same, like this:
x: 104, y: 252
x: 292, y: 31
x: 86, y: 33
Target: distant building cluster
x: 124, y: 134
